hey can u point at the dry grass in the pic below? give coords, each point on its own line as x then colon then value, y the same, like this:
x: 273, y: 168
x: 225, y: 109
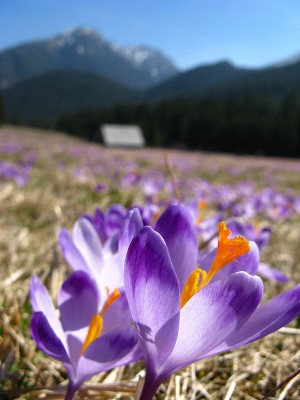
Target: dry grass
x: 30, y: 219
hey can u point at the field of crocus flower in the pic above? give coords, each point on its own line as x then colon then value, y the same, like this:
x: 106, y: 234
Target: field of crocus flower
x: 152, y: 258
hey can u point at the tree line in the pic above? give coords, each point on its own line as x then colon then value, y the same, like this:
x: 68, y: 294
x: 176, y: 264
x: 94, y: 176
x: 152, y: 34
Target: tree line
x: 243, y: 125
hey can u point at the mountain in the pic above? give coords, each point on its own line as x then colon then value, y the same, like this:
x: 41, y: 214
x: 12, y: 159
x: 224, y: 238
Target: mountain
x: 288, y: 61
x: 196, y: 81
x: 84, y: 49
x: 47, y: 96
x: 274, y: 82
x: 80, y: 69
x: 224, y: 80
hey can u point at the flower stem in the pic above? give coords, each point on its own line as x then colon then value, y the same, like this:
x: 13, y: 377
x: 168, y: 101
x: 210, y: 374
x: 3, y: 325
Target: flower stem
x: 71, y: 391
x: 149, y: 388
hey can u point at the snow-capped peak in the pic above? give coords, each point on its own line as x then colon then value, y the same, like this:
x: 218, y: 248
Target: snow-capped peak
x: 72, y: 35
x: 137, y: 55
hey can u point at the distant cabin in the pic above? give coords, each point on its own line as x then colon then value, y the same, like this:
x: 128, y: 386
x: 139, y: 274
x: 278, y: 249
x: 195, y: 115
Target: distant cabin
x: 122, y: 136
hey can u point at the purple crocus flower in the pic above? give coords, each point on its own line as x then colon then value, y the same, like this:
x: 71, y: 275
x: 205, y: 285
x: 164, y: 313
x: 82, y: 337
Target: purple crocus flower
x: 87, y: 338
x: 19, y: 174
x: 182, y: 320
x: 84, y: 251
x: 109, y: 223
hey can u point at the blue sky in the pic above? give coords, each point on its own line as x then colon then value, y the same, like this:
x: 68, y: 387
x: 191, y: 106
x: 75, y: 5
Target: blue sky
x: 250, y: 33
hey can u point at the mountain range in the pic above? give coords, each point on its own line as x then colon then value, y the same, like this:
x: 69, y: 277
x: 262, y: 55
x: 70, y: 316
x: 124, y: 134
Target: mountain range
x: 84, y: 49
x: 80, y: 69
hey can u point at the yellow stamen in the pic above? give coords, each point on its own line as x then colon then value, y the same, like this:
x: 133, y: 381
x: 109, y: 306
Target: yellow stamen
x: 192, y: 285
x: 228, y: 250
x: 94, y: 331
x: 96, y: 325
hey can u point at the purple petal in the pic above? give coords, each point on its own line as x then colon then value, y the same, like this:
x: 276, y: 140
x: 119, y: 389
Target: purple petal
x: 70, y: 251
x: 176, y: 227
x: 111, y: 245
x: 87, y: 241
x: 112, y: 275
x: 41, y: 301
x: 271, y: 316
x: 117, y: 315
x: 153, y: 294
x: 132, y: 224
x: 109, y: 348
x: 46, y: 339
x: 75, y: 341
x: 78, y: 301
x: 237, y: 227
x: 211, y: 315
x: 116, y: 348
x: 263, y: 237
x: 113, y: 219
x: 97, y: 220
x: 272, y: 273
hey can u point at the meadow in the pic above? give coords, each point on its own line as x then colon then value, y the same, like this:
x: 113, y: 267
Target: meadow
x: 48, y: 180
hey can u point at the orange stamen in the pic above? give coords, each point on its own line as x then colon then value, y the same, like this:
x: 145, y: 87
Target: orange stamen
x: 94, y: 331
x: 228, y: 250
x: 96, y: 325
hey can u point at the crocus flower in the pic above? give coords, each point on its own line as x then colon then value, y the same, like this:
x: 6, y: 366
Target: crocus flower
x: 84, y: 250
x: 87, y: 338
x: 179, y: 320
x: 19, y: 174
x: 109, y: 223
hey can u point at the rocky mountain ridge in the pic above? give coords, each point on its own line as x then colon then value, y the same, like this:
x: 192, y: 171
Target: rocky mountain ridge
x: 84, y: 49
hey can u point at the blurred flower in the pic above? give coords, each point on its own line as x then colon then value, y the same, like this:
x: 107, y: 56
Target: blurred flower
x: 19, y: 174
x: 102, y: 260
x: 261, y: 237
x: 109, y: 223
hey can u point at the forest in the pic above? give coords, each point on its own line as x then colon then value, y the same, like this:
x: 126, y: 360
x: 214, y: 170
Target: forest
x: 242, y: 124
